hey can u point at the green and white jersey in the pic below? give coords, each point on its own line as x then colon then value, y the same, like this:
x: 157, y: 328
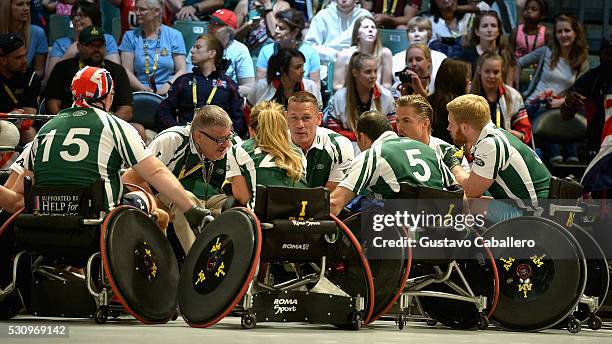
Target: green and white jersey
x: 175, y: 148
x: 329, y: 158
x: 81, y: 145
x: 517, y: 171
x: 258, y: 167
x: 393, y: 160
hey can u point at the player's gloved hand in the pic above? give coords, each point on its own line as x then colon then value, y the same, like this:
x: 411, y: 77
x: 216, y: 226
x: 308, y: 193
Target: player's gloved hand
x: 452, y: 156
x: 198, y: 218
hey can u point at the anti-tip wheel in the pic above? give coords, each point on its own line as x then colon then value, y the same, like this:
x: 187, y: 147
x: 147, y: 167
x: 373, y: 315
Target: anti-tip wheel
x: 483, y: 322
x: 248, y: 320
x: 401, y: 322
x: 574, y: 326
x: 594, y: 322
x: 101, y: 315
x: 356, y: 324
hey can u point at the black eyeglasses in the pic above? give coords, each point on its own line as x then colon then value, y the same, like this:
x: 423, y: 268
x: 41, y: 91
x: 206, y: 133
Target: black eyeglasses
x: 219, y: 141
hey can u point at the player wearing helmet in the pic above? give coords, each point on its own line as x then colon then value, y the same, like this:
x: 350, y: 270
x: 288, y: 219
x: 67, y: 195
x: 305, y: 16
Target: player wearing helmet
x: 85, y: 143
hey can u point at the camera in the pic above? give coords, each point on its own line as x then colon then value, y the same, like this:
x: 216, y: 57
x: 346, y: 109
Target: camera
x: 403, y: 75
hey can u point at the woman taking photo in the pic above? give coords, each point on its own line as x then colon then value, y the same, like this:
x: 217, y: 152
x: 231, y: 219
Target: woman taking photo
x: 365, y: 39
x: 506, y: 104
x: 268, y: 157
x: 360, y: 94
x: 416, y: 77
x: 558, y: 69
x: 153, y: 54
x: 288, y: 33
x: 285, y: 76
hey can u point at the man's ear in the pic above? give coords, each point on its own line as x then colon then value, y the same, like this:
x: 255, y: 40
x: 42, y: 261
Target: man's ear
x: 319, y: 118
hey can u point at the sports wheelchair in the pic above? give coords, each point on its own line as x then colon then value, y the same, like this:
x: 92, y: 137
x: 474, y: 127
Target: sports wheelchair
x: 562, y: 279
x: 231, y: 265
x: 455, y: 286
x: 129, y: 265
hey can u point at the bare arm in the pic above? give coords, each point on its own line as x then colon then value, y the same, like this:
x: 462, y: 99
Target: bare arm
x: 339, y: 198
x: 39, y: 65
x: 368, y: 5
x: 342, y: 60
x: 331, y: 185
x: 245, y: 85
x: 386, y: 78
x: 124, y: 112
x: 179, y: 69
x: 113, y: 58
x: 53, y: 106
x: 130, y: 176
x: 260, y: 74
x: 316, y: 77
x: 473, y: 184
x: 240, y: 189
x: 156, y: 174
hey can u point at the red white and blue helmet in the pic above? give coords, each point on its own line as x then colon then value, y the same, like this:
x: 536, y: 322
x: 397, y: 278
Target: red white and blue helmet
x: 91, y: 83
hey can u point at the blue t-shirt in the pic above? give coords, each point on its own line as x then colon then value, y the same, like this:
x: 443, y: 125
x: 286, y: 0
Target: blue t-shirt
x: 171, y: 42
x: 38, y: 43
x: 241, y: 63
x: 61, y: 45
x: 312, y: 63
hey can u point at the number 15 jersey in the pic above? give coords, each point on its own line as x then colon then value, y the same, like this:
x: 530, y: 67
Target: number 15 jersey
x: 81, y: 145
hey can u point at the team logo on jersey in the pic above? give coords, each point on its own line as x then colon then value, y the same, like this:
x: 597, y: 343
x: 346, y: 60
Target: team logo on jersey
x: 220, y: 171
x: 479, y: 162
x: 79, y: 113
x: 320, y: 166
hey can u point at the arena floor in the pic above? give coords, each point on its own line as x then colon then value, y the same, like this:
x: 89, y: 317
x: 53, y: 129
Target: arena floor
x: 128, y: 330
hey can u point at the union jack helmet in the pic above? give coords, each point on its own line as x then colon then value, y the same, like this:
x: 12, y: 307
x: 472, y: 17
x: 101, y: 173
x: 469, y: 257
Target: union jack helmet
x: 91, y: 83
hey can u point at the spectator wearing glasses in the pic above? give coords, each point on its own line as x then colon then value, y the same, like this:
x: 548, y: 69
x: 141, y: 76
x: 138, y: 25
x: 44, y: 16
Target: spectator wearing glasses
x: 83, y: 15
x: 196, y: 155
x: 152, y: 54
x: 91, y: 47
x: 206, y: 85
x: 21, y: 84
x: 15, y: 16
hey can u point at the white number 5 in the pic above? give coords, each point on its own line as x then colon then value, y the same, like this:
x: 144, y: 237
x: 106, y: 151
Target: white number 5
x: 414, y: 161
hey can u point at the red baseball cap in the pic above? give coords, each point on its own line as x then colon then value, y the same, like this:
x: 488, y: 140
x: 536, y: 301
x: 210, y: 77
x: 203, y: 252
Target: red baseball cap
x: 225, y: 17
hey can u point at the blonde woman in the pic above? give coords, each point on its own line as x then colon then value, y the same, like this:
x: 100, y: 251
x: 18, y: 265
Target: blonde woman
x: 15, y: 16
x: 267, y: 158
x: 365, y: 39
x: 416, y: 77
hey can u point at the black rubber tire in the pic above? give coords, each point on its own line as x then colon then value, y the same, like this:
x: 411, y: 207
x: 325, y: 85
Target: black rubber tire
x: 401, y: 322
x: 248, y: 321
x: 101, y: 315
x: 574, y: 326
x: 483, y: 323
x: 594, y: 322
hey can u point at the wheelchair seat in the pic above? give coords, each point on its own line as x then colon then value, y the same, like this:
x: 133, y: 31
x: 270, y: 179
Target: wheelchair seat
x: 333, y: 283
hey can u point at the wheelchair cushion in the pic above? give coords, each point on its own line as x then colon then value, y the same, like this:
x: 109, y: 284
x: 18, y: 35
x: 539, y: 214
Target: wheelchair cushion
x: 279, y: 202
x: 219, y: 267
x: 140, y: 265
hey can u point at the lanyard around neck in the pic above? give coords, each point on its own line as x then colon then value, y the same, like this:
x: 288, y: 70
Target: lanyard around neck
x: 194, y: 93
x: 385, y: 9
x: 146, y: 52
x: 535, y: 40
x: 10, y: 94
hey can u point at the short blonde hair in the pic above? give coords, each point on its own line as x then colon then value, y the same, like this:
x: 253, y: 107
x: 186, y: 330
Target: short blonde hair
x: 211, y: 116
x: 420, y: 104
x: 471, y: 109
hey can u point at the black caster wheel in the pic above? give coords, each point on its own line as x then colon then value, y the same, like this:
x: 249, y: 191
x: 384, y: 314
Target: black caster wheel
x: 573, y: 325
x: 248, y: 320
x: 101, y: 315
x: 483, y: 322
x: 431, y: 322
x: 356, y: 321
x: 594, y: 322
x: 401, y: 322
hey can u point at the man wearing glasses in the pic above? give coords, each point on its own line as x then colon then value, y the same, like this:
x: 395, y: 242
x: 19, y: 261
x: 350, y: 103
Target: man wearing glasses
x: 195, y: 153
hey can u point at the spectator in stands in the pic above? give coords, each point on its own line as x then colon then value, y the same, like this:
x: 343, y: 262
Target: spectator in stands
x: 21, y: 84
x: 210, y: 84
x: 454, y: 80
x: 416, y: 77
x: 448, y: 25
x: 83, y: 15
x: 15, y: 16
x: 59, y: 7
x: 506, y: 104
x: 419, y: 31
x: 531, y: 34
x: 484, y: 36
x: 257, y: 22
x: 288, y: 33
x: 366, y: 39
x: 593, y: 90
x: 153, y: 54
x: 267, y: 158
x: 129, y: 18
x: 91, y: 47
x: 223, y: 26
x: 360, y: 94
x: 284, y: 77
x: 331, y: 28
x: 191, y: 9
x: 558, y: 69
x: 392, y: 14
x: 37, y: 14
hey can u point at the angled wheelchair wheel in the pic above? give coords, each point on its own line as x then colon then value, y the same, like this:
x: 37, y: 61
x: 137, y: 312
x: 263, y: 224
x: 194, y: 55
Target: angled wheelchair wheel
x: 139, y: 264
x: 542, y: 277
x: 598, y: 277
x: 219, y: 267
x: 11, y: 304
x: 389, y: 272
x: 349, y: 269
x: 479, y: 269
